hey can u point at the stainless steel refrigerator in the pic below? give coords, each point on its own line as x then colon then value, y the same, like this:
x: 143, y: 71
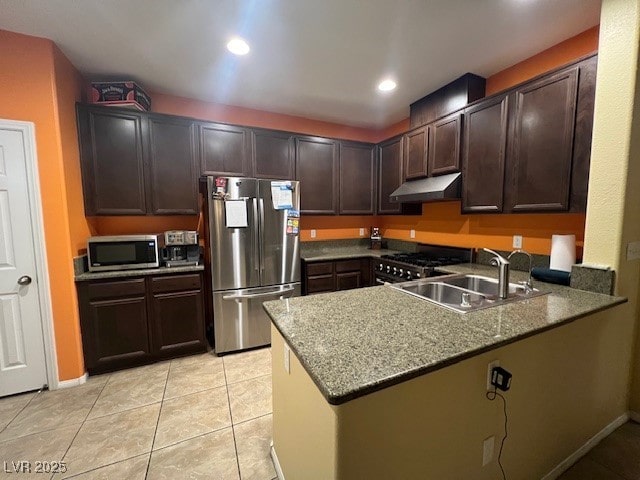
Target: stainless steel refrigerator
x: 253, y: 237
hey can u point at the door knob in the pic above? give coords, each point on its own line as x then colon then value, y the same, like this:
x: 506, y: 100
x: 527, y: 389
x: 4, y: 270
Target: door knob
x: 24, y: 280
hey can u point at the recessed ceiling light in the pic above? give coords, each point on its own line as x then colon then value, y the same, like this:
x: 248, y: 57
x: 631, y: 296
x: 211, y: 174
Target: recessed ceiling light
x: 238, y: 46
x: 387, y: 85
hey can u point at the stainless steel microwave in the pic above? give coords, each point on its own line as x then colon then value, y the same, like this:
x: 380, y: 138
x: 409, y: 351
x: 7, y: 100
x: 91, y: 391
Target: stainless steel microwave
x: 124, y: 252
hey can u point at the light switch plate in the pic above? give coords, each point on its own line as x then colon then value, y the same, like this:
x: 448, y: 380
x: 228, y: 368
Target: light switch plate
x: 412, y: 233
x: 287, y: 359
x: 517, y: 241
x: 313, y: 233
x: 487, y: 450
x: 362, y: 232
x: 633, y: 250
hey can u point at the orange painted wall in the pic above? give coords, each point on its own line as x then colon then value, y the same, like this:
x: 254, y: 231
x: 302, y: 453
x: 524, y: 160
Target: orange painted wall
x: 442, y: 224
x: 171, y: 104
x: 560, y: 54
x: 69, y: 86
x: 28, y: 91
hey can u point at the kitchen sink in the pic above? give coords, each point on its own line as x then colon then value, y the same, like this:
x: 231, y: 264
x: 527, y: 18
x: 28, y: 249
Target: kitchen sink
x: 484, y: 285
x: 464, y: 293
x: 444, y: 294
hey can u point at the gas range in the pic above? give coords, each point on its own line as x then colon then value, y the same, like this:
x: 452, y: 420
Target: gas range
x: 410, y: 266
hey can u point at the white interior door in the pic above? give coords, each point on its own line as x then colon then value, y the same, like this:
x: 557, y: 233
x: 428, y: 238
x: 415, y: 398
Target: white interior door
x: 22, y: 354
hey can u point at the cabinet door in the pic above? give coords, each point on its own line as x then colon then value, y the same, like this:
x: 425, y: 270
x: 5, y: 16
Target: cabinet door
x: 539, y: 172
x: 582, y: 134
x: 224, y: 150
x: 173, y: 166
x: 113, y: 317
x: 416, y: 145
x: 112, y: 161
x: 317, y: 171
x: 444, y: 145
x: 273, y: 155
x: 178, y: 323
x: 483, y: 157
x: 357, y: 178
x: 348, y: 280
x: 390, y: 175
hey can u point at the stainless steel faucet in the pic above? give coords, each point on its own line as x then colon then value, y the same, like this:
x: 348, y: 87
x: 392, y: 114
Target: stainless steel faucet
x: 528, y: 284
x: 503, y: 272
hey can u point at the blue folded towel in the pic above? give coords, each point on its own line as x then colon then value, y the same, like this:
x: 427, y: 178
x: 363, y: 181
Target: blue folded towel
x: 551, y: 276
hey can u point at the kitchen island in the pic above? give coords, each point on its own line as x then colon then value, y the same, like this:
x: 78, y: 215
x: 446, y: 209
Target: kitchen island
x: 385, y: 385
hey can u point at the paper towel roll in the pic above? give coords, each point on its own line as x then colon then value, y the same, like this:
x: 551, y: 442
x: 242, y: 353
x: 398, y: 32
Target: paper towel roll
x: 563, y: 252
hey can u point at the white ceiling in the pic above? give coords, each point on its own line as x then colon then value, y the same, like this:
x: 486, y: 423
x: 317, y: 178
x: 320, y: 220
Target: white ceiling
x: 320, y: 59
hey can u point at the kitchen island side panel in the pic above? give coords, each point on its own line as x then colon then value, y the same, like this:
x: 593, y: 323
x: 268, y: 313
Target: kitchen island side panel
x: 568, y: 384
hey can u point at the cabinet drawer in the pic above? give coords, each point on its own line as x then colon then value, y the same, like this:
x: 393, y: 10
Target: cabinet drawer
x: 321, y: 268
x: 320, y: 284
x: 174, y: 283
x: 348, y: 265
x: 120, y: 288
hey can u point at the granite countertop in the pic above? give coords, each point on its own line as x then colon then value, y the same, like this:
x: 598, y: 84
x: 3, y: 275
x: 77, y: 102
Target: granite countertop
x: 86, y: 276
x: 315, y: 251
x: 358, y: 341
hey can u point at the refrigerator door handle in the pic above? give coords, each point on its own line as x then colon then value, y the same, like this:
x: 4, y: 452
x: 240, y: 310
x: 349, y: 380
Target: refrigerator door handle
x: 256, y: 240
x: 240, y: 296
x: 261, y: 205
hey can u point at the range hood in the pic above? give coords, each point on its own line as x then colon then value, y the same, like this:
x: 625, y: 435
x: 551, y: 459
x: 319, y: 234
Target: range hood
x: 444, y: 187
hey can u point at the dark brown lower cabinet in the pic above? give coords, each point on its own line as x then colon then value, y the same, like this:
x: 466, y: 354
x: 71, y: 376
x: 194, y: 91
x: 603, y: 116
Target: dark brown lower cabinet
x: 332, y: 276
x: 130, y: 322
x: 177, y: 310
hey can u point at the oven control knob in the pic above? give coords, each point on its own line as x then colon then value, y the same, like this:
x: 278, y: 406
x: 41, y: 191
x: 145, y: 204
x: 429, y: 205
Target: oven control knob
x: 417, y: 275
x: 409, y: 276
x: 395, y: 270
x: 388, y: 269
x: 380, y: 267
x: 401, y: 272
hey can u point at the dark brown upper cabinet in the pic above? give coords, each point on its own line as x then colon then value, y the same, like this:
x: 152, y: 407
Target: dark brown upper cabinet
x: 224, y: 150
x: 357, y: 178
x: 173, y: 166
x: 113, y: 158
x: 389, y: 175
x: 483, y: 156
x: 444, y: 145
x: 539, y: 174
x: 416, y: 145
x: 273, y: 154
x: 582, y: 134
x: 317, y: 171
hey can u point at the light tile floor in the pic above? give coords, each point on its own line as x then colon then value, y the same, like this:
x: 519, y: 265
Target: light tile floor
x: 199, y: 417
x: 617, y: 457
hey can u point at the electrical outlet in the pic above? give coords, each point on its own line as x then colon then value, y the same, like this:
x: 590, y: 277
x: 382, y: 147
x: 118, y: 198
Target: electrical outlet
x: 287, y: 358
x: 412, y: 234
x: 313, y: 233
x: 517, y: 241
x: 487, y: 450
x: 633, y: 250
x: 362, y: 232
x: 490, y: 367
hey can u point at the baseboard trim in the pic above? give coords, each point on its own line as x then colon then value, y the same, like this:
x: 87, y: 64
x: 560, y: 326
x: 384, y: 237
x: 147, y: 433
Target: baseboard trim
x: 276, y: 463
x: 635, y: 416
x: 74, y: 382
x: 584, y: 449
